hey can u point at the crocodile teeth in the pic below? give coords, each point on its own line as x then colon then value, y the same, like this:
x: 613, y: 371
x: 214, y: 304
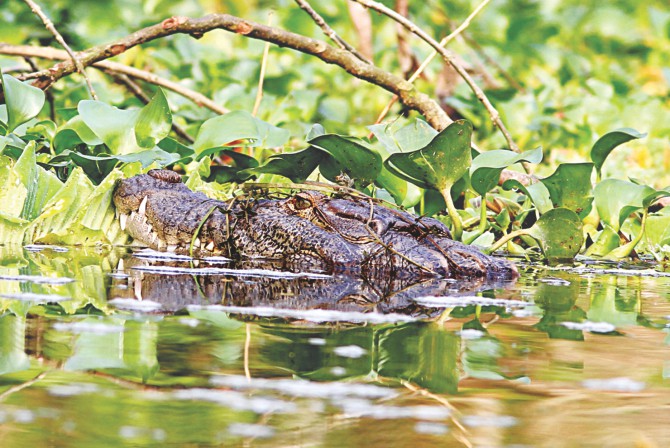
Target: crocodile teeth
x: 196, y: 263
x: 143, y: 206
x: 120, y: 266
x: 210, y: 246
x: 122, y: 220
x: 137, y: 289
x: 196, y: 243
x: 172, y: 248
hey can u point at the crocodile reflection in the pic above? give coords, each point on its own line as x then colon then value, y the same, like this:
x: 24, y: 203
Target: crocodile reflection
x: 176, y: 291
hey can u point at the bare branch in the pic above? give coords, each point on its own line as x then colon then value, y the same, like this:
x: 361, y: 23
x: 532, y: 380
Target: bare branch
x: 446, y: 54
x: 328, y: 31
x: 429, y: 59
x: 54, y: 54
x: 35, y: 8
x: 407, y: 93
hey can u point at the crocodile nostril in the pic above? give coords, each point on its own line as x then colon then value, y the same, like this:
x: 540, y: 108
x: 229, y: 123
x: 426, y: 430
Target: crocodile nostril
x: 165, y: 176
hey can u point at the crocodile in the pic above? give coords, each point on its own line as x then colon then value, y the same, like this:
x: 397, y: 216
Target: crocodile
x: 306, y: 230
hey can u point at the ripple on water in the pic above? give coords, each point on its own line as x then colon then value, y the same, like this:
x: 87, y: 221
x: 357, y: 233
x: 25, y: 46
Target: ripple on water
x: 312, y: 315
x: 35, y: 297
x: 593, y: 327
x: 621, y: 384
x: 251, y: 430
x: 37, y: 279
x: 453, y: 301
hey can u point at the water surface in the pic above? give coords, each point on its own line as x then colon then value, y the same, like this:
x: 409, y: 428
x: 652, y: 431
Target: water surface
x: 102, y: 348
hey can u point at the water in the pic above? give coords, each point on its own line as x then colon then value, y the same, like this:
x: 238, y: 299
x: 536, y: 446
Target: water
x: 561, y: 358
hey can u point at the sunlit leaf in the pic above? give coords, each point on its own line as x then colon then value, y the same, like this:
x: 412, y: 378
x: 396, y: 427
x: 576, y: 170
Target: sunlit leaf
x: 570, y: 187
x: 229, y: 129
x: 486, y: 168
x: 559, y: 232
x: 537, y: 192
x: 23, y: 101
x: 115, y: 127
x: 154, y: 121
x: 616, y: 199
x: 408, y: 138
x: 440, y: 163
x: 72, y: 133
x: 606, y: 144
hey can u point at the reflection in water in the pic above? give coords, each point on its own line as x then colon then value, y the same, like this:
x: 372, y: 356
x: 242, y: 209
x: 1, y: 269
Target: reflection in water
x: 344, y: 362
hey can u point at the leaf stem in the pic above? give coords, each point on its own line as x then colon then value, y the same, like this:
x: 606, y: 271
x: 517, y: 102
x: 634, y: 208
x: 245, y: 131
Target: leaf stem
x: 453, y: 214
x: 483, y: 222
x: 498, y: 244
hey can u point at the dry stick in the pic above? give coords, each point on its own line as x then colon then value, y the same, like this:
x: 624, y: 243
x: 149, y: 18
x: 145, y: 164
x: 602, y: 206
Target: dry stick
x: 22, y: 386
x: 261, y: 77
x: 408, y: 94
x: 136, y: 90
x: 430, y: 58
x: 54, y: 54
x: 328, y: 31
x: 448, y: 56
x: 52, y: 29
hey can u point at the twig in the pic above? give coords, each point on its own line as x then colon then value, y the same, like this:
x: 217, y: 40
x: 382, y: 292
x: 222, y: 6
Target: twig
x: 35, y: 8
x: 328, y: 31
x: 22, y: 386
x: 54, y: 54
x: 407, y: 93
x: 448, y: 56
x: 261, y: 77
x: 430, y: 58
x: 136, y: 90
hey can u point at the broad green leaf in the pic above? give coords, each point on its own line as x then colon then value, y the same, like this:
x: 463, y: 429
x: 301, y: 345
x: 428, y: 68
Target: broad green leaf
x: 115, y: 127
x: 23, y: 101
x: 13, y: 192
x: 653, y: 197
x: 45, y: 128
x: 238, y: 172
x: 315, y: 131
x: 439, y: 164
x: 297, y: 165
x: 238, y: 125
x: 40, y: 184
x: 347, y: 156
x: 537, y: 192
x: 73, y: 133
x: 404, y: 193
x: 570, y: 187
x: 616, y: 199
x: 607, y: 241
x: 657, y: 230
x: 606, y: 144
x: 486, y: 168
x: 559, y: 233
x: 154, y: 121
x: 410, y: 137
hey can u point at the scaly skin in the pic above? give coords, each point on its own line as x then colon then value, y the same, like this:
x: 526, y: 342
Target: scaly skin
x: 308, y: 229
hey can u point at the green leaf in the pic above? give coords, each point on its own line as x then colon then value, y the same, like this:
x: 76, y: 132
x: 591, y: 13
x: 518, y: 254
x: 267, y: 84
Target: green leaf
x: 439, y: 164
x: 410, y: 137
x: 73, y: 133
x: 616, y: 199
x: 297, y: 165
x: 559, y: 233
x: 570, y: 187
x: 238, y: 125
x: 23, y: 101
x: 537, y: 192
x: 115, y: 127
x: 606, y: 144
x: 154, y: 121
x: 41, y: 185
x: 607, y: 241
x: 347, y: 156
x: 486, y: 168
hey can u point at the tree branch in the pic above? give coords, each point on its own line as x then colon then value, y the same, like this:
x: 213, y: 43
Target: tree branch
x: 407, y: 93
x: 54, y: 54
x: 411, y: 26
x: 328, y: 31
x: 48, y: 24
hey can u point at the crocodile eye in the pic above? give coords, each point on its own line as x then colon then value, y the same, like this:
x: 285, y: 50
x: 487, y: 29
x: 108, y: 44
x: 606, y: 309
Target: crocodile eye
x: 300, y: 202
